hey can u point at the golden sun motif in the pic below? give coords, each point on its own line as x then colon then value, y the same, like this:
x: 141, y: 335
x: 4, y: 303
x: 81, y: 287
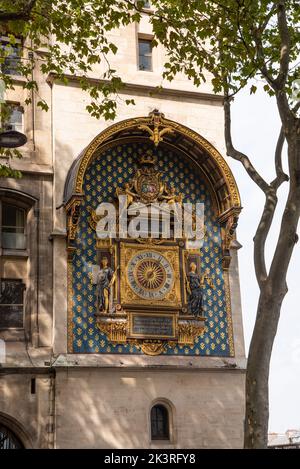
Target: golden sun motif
x: 150, y: 274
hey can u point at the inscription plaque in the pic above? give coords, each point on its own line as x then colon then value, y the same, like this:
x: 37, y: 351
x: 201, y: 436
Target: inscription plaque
x: 158, y: 326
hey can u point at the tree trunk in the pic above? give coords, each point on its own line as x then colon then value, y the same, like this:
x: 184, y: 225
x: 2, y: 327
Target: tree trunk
x: 257, y: 376
x: 272, y: 293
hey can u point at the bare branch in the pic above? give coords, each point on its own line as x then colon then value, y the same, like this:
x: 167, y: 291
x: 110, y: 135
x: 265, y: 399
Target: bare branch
x: 280, y: 174
x: 268, y: 214
x: 239, y: 156
x: 262, y: 234
x: 269, y: 191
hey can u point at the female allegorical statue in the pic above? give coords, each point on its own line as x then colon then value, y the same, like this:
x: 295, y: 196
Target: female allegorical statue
x: 105, y: 280
x: 194, y: 289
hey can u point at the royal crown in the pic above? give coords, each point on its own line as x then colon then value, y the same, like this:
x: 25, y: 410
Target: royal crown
x: 148, y: 158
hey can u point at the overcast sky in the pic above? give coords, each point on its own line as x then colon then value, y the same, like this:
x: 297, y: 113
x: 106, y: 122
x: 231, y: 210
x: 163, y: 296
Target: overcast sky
x: 255, y: 130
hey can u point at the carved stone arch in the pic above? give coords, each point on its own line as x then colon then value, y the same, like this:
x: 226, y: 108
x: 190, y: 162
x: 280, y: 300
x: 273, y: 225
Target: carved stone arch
x: 21, y: 198
x: 161, y: 131
x: 199, y: 149
x: 17, y: 429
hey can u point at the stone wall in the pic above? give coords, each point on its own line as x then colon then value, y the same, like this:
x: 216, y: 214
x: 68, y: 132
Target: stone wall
x: 110, y: 408
x: 25, y: 413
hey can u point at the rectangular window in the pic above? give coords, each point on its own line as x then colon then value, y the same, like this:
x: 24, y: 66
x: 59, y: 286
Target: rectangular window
x: 12, y: 57
x: 145, y: 54
x: 13, y: 227
x: 14, y: 118
x: 11, y: 303
x: 144, y: 4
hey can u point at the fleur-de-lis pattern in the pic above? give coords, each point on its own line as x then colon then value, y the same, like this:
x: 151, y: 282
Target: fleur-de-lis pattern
x: 108, y: 171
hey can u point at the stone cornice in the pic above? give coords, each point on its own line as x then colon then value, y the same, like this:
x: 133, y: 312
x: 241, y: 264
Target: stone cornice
x: 153, y: 91
x: 159, y: 363
x: 26, y: 167
x: 125, y: 362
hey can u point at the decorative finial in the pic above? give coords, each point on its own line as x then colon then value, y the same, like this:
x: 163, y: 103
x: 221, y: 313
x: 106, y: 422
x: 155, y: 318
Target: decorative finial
x: 156, y: 135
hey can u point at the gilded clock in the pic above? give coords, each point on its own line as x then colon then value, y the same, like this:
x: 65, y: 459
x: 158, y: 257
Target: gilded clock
x: 150, y: 275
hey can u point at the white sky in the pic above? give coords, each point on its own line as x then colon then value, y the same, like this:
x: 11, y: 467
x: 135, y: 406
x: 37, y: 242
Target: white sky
x: 255, y: 129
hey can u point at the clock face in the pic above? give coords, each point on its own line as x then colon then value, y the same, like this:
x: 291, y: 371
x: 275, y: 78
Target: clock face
x: 150, y: 275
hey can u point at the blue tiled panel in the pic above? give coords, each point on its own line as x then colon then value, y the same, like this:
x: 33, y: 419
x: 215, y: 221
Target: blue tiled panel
x: 105, y: 173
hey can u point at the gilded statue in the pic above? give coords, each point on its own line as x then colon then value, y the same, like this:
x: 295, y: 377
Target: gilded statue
x: 194, y: 286
x: 194, y: 289
x: 105, y: 279
x: 170, y: 195
x: 126, y: 190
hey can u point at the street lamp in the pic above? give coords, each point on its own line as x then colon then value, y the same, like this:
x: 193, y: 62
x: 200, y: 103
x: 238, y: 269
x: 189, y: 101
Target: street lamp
x: 12, y: 139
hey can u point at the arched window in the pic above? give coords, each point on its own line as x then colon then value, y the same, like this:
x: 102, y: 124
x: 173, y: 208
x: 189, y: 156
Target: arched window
x: 160, y: 427
x: 8, y: 440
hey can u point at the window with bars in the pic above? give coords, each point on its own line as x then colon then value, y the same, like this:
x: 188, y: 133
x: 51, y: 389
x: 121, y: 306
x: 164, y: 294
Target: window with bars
x: 145, y: 54
x: 8, y: 440
x: 11, y: 303
x: 160, y: 423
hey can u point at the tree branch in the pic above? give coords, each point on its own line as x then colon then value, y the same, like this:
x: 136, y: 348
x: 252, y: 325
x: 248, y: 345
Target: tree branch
x: 296, y: 108
x: 261, y: 235
x: 17, y: 15
x: 285, y: 45
x: 277, y: 84
x: 265, y: 23
x: 269, y: 191
x: 239, y: 156
x: 261, y: 59
x: 280, y: 174
x: 268, y: 214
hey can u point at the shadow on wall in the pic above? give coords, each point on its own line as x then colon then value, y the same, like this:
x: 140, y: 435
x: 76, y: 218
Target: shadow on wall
x: 104, y: 408
x: 110, y: 408
x: 34, y: 264
x: 18, y: 432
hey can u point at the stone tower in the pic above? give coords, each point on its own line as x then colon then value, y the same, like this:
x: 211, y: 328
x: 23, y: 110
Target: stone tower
x: 121, y: 342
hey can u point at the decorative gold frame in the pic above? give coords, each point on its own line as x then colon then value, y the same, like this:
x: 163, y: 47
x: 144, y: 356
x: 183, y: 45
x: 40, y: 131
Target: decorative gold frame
x: 133, y: 335
x: 127, y: 295
x: 128, y: 124
x: 228, y: 219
